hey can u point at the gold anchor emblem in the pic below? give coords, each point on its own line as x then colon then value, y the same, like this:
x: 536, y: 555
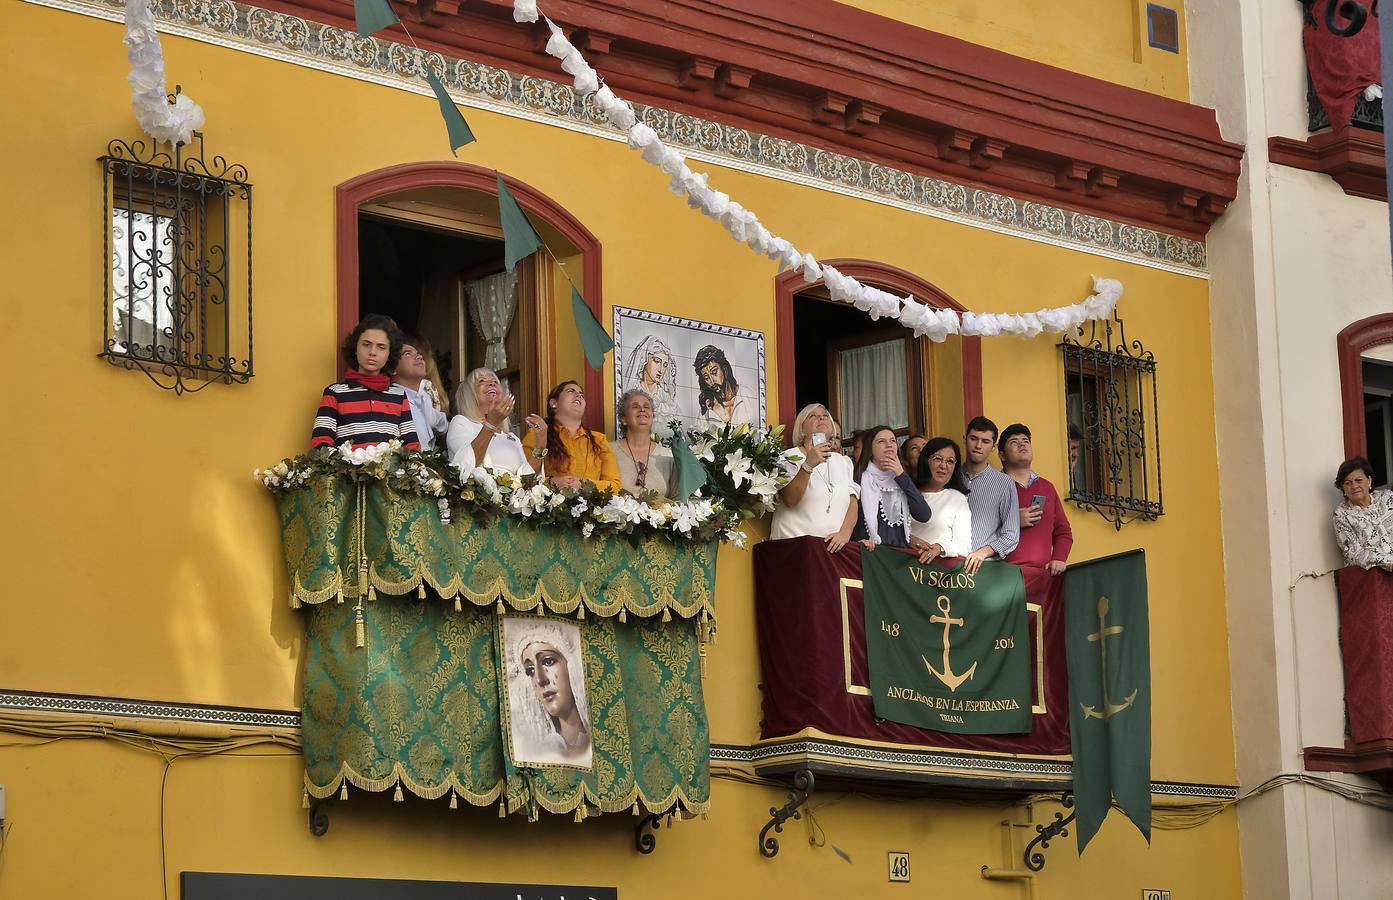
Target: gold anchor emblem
x: 1101, y: 635
x: 947, y: 676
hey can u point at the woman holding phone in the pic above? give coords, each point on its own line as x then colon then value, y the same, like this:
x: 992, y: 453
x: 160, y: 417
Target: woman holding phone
x: 479, y: 436
x: 889, y: 497
x: 820, y: 500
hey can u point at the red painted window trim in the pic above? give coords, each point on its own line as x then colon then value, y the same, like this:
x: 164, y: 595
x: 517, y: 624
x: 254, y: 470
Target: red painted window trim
x: 352, y: 194
x: 1350, y: 345
x: 883, y: 275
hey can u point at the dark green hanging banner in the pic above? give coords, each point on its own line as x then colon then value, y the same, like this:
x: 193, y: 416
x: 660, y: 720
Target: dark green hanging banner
x: 689, y: 473
x: 593, y: 338
x: 947, y: 650
x: 520, y: 239
x: 371, y: 16
x: 1108, y: 643
x: 454, y: 121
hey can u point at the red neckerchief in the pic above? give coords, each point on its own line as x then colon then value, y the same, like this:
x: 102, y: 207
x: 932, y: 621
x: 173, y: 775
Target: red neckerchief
x: 378, y: 382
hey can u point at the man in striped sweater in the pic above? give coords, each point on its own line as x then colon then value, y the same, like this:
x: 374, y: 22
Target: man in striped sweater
x: 366, y: 408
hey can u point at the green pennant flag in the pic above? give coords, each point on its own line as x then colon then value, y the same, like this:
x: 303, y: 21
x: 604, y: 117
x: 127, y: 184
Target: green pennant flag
x: 688, y: 472
x: 945, y: 649
x: 520, y: 239
x: 593, y: 338
x: 371, y: 16
x: 454, y: 121
x: 1108, y: 645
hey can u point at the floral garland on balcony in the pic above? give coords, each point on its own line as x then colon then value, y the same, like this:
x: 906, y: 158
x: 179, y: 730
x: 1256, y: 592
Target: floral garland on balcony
x: 745, y: 468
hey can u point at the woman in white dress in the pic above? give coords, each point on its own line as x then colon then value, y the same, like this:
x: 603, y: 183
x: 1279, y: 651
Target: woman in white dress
x: 645, y: 466
x: 948, y: 533
x: 821, y: 499
x: 479, y: 435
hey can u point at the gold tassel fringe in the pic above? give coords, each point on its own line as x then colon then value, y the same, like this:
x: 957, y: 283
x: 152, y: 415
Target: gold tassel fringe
x: 580, y: 611
x: 502, y: 809
x: 294, y: 601
x: 372, y: 593
x: 305, y: 800
x: 397, y: 795
x: 635, y: 807
x: 421, y: 591
x: 541, y: 608
x: 459, y: 607
x: 339, y: 600
x: 343, y: 791
x: 667, y: 614
x: 454, y: 801
x: 360, y: 639
x: 580, y: 814
x: 622, y: 616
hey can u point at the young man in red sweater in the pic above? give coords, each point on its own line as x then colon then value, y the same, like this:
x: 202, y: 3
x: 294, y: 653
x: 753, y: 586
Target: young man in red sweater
x: 1046, y: 537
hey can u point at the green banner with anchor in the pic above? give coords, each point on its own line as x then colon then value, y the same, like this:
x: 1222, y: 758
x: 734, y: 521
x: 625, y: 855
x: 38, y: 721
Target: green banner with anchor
x: 947, y: 650
x: 1108, y: 643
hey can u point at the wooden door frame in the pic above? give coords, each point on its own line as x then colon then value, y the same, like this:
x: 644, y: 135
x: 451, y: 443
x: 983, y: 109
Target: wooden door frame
x: 1350, y: 345
x: 789, y: 284
x: 372, y: 186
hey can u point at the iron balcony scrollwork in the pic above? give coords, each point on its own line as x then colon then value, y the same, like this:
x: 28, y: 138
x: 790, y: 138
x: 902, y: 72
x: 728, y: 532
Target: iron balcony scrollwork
x: 1110, y: 400
x: 803, y: 785
x: 177, y: 264
x: 1343, y: 18
x: 1034, y: 859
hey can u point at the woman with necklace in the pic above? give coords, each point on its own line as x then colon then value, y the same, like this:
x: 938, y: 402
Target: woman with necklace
x: 645, y: 466
x: 820, y: 499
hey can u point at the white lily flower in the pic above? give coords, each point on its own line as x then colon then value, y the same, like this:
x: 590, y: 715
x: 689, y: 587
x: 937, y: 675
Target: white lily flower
x: 738, y: 467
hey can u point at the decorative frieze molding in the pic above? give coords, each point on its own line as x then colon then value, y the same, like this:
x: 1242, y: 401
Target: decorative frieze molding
x: 342, y: 51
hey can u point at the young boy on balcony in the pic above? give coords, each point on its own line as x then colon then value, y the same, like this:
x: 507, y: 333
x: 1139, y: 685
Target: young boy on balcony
x: 1046, y: 537
x: 365, y: 408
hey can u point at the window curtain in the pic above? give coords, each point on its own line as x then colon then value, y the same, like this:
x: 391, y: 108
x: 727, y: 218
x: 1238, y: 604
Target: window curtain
x: 142, y: 259
x: 873, y: 386
x: 492, y: 303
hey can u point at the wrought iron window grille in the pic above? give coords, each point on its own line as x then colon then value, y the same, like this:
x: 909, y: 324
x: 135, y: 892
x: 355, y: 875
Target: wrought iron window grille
x: 1110, y: 403
x: 177, y: 264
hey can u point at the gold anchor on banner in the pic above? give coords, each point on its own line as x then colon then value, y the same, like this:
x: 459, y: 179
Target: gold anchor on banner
x: 947, y: 676
x: 1101, y: 635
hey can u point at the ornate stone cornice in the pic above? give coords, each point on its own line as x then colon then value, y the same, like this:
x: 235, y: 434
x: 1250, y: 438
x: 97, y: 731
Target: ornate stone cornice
x: 332, y: 48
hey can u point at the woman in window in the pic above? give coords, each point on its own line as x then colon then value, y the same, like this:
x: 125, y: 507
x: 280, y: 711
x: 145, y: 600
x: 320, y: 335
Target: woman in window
x: 645, y: 466
x: 366, y: 409
x: 479, y: 436
x: 1364, y: 521
x: 889, y: 497
x: 949, y: 530
x: 820, y: 500
x: 571, y: 453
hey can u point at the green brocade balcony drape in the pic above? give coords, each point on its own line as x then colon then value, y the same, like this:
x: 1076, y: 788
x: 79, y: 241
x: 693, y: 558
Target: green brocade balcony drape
x: 408, y: 547
x: 425, y: 703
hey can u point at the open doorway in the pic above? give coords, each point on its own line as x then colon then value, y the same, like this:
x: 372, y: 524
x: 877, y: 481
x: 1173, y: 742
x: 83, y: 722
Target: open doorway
x: 1378, y: 414
x: 867, y: 372
x: 432, y: 259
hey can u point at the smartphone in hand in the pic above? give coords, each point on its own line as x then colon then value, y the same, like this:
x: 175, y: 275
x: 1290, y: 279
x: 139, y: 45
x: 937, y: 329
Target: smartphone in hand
x: 1037, y: 501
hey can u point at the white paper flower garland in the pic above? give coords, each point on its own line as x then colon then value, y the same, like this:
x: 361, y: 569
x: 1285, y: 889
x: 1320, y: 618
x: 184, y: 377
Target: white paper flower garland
x: 162, y: 120
x: 744, y: 226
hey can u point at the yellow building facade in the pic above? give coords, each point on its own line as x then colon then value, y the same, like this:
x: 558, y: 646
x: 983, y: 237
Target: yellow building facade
x: 146, y: 562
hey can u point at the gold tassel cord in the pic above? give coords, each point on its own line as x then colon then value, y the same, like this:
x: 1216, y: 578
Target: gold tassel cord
x: 500, y: 609
x: 459, y: 607
x: 454, y: 800
x: 343, y: 791
x: 622, y: 617
x: 359, y: 629
x: 397, y: 794
x: 421, y: 591
x: 305, y: 801
x: 502, y: 809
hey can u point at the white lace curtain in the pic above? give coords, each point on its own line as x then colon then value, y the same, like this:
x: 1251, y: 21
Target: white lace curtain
x: 492, y: 303
x: 873, y: 386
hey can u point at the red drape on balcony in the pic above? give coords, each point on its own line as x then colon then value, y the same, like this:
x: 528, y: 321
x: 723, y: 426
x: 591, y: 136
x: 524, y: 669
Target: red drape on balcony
x: 1341, y: 67
x: 805, y: 639
x: 1366, y: 643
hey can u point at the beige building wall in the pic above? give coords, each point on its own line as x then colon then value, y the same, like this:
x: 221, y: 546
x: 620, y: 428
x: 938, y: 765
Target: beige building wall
x: 1293, y: 262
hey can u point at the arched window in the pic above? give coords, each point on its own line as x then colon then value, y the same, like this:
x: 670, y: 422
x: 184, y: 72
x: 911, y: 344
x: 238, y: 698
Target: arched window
x: 1365, y: 351
x: 867, y: 370
x: 423, y: 243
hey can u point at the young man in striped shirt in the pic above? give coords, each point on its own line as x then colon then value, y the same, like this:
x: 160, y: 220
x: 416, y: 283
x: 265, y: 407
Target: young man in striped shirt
x: 365, y: 408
